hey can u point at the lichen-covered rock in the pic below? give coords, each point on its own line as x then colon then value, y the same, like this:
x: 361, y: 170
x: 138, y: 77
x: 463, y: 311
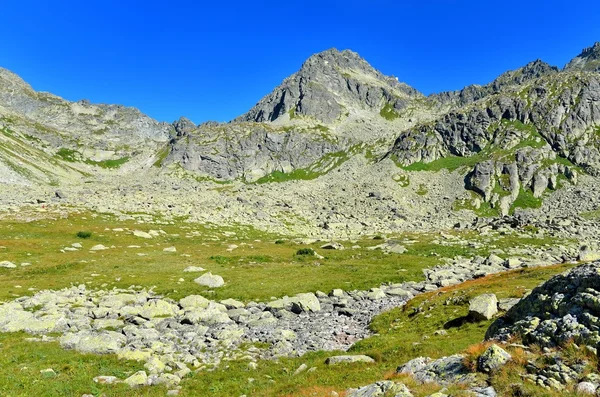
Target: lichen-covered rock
x: 210, y: 280
x: 349, y: 359
x: 492, y: 359
x: 380, y: 389
x: 445, y: 370
x: 566, y: 307
x: 483, y: 307
x: 91, y: 342
x: 138, y: 379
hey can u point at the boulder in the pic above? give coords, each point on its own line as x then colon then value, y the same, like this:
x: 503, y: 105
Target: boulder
x: 492, y: 359
x: 7, y: 265
x: 137, y: 380
x: 307, y: 302
x: 332, y: 246
x: 210, y: 280
x: 139, y: 233
x: 483, y: 307
x: 381, y: 389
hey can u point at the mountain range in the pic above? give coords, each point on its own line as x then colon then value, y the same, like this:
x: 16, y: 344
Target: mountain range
x: 513, y: 141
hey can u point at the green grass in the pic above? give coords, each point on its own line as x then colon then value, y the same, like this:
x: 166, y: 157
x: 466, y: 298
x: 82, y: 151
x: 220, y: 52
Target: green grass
x: 399, y: 337
x: 68, y: 155
x: 450, y: 163
x: 108, y: 164
x: 526, y: 200
x: 388, y: 112
x: 327, y: 163
x: 257, y: 270
x: 162, y: 155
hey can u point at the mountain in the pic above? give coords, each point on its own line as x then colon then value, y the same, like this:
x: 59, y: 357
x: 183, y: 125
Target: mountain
x: 328, y: 86
x: 503, y: 146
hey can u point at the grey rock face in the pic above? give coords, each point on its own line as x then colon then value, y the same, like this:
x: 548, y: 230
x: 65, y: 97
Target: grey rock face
x: 588, y: 60
x: 567, y: 307
x: 248, y: 151
x: 472, y: 93
x: 327, y: 84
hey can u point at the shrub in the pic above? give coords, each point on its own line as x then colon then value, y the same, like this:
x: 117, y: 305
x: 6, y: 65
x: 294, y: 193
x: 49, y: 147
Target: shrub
x: 84, y: 234
x: 279, y: 241
x: 305, y: 251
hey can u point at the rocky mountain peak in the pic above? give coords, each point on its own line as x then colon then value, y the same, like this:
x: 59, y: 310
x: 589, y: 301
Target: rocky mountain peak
x: 328, y: 86
x: 588, y: 60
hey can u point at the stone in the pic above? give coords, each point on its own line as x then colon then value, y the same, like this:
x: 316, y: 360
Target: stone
x: 483, y: 307
x: 587, y: 254
x: 98, y: 247
x: 106, y: 380
x: 48, y: 373
x: 586, y: 388
x: 158, y: 308
x: 334, y: 360
x: 139, y: 233
x: 381, y: 389
x: 492, y: 359
x: 194, y: 301
x: 332, y: 246
x: 300, y: 369
x: 170, y: 249
x: 233, y: 304
x: 306, y: 302
x: 7, y: 265
x: 210, y: 280
x: 194, y: 269
x: 104, y: 342
x: 137, y: 380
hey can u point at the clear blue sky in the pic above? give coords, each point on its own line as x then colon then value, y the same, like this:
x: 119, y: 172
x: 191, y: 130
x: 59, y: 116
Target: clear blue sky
x: 214, y: 62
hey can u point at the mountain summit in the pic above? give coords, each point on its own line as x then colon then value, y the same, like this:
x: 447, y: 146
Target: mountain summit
x: 330, y: 84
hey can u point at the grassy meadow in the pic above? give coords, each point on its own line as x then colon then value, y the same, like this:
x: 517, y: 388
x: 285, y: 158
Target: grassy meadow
x: 255, y: 266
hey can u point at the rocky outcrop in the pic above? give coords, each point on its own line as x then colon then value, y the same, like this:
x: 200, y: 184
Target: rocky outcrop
x: 565, y: 308
x: 249, y: 151
x: 472, y: 93
x: 588, y: 60
x: 326, y: 86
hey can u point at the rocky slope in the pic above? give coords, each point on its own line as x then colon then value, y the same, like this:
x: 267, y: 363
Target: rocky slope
x: 529, y: 132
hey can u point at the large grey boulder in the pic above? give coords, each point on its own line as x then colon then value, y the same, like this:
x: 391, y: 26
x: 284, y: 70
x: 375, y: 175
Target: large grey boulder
x: 445, y: 370
x: 210, y: 280
x: 483, y: 307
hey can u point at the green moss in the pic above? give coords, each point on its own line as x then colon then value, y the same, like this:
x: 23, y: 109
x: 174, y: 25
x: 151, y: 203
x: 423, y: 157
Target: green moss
x: 388, y: 112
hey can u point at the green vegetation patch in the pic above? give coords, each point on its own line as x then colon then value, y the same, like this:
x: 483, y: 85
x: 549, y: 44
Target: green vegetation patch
x: 109, y: 164
x: 68, y: 155
x: 388, y: 112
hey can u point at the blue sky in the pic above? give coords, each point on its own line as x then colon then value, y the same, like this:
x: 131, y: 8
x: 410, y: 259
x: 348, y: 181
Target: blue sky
x: 214, y: 62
